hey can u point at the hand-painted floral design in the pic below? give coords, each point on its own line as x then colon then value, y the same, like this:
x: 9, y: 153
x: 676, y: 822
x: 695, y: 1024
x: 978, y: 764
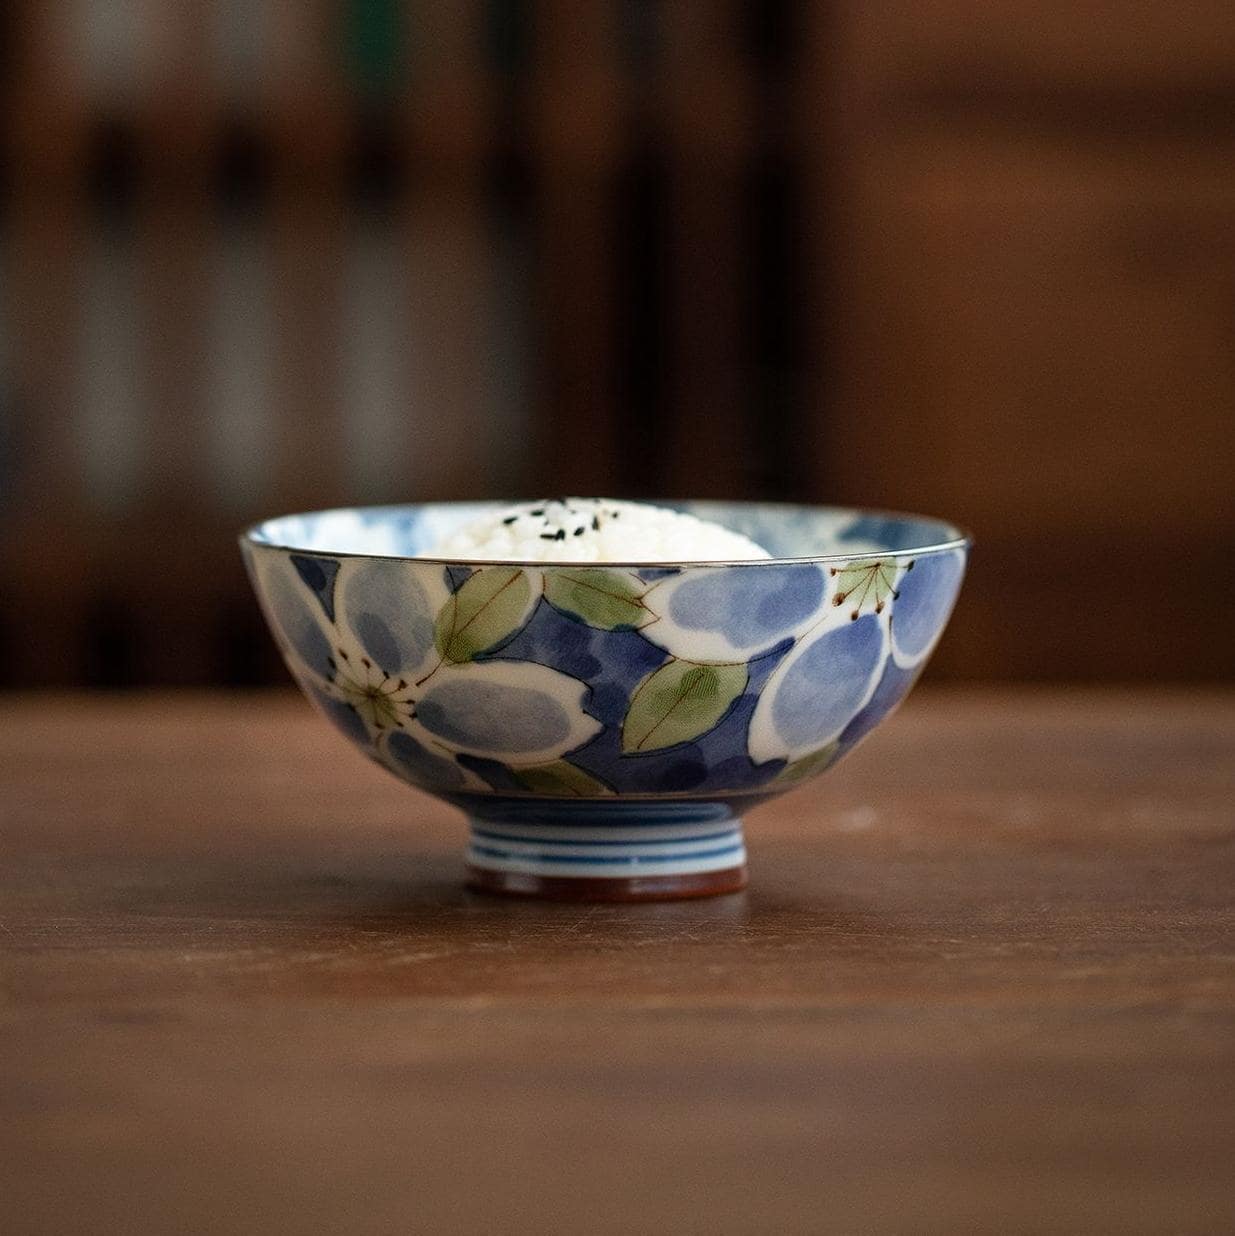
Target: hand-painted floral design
x: 380, y: 700
x: 678, y: 702
x: 610, y: 599
x: 865, y: 586
x: 927, y: 596
x: 561, y: 682
x: 490, y: 606
x: 392, y: 656
x: 817, y: 689
x: 731, y: 614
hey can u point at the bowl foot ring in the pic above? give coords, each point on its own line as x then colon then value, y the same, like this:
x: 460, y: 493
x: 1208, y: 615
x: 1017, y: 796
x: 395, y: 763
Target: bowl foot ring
x: 562, y: 862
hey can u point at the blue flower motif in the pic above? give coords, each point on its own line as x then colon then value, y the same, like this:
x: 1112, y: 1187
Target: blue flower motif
x: 927, y: 594
x: 346, y: 720
x: 389, y: 612
x: 818, y: 689
x: 892, y: 688
x: 487, y: 716
x: 729, y: 614
x: 421, y: 765
x: 458, y: 688
x: 291, y: 616
x: 510, y: 710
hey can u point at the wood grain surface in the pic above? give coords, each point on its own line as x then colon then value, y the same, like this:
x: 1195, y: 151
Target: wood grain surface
x: 983, y: 981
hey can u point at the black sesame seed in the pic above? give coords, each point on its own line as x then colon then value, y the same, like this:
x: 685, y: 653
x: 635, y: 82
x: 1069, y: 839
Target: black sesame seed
x: 595, y: 524
x: 541, y: 511
x: 580, y: 531
x: 560, y: 535
x: 547, y: 536
x: 510, y: 519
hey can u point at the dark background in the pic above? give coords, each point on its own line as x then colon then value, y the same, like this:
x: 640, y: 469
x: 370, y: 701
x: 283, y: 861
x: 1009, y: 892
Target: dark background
x: 975, y: 259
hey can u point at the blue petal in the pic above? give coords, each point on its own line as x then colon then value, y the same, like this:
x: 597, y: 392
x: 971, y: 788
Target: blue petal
x: 343, y: 718
x: 289, y: 606
x: 826, y: 685
x: 750, y: 606
x: 892, y: 688
x: 422, y: 766
x: 493, y: 772
x: 927, y: 594
x: 493, y: 716
x: 389, y: 613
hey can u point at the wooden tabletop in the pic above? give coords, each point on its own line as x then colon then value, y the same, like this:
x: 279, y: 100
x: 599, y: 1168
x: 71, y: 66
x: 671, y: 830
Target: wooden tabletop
x: 983, y: 981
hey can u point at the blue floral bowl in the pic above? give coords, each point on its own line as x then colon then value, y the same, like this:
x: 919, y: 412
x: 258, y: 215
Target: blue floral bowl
x: 605, y: 726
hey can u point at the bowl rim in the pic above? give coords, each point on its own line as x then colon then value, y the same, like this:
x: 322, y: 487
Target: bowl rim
x: 962, y: 540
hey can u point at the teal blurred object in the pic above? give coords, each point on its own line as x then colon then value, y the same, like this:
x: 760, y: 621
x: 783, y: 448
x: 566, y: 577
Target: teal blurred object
x: 375, y: 46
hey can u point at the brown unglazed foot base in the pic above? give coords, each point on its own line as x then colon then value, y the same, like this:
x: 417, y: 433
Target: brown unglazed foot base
x: 592, y: 888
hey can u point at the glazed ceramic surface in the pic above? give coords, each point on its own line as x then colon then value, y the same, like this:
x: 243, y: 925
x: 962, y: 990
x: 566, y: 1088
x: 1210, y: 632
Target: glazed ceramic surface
x: 606, y: 721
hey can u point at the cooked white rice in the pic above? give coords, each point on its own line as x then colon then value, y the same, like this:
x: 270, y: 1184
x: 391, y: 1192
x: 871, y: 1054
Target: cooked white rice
x: 594, y: 530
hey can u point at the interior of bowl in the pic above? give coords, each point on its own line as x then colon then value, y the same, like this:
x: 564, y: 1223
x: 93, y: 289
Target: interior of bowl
x: 786, y: 531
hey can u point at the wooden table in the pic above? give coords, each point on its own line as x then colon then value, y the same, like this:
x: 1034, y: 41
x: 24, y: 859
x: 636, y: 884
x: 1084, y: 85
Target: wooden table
x: 983, y: 981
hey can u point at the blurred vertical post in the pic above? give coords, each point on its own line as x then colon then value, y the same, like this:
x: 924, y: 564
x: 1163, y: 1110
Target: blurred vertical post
x: 375, y: 345
x: 46, y: 558
x: 309, y: 116
x: 708, y: 110
x: 451, y: 441
x: 176, y: 505
x: 578, y: 132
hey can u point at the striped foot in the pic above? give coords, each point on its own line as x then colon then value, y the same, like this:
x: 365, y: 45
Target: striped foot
x: 625, y: 861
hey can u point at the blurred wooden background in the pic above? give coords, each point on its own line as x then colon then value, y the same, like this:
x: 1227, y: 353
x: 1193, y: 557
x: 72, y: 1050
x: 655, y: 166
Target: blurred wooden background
x: 968, y: 258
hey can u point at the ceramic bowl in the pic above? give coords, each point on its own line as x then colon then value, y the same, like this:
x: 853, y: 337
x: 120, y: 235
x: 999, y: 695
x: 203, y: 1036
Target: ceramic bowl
x: 606, y: 727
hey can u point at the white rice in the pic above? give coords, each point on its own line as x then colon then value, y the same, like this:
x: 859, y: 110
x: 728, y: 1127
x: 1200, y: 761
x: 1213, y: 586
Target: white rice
x: 594, y: 530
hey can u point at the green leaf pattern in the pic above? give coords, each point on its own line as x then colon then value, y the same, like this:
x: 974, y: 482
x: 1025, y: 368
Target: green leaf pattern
x: 610, y: 600
x: 560, y: 780
x: 491, y: 605
x: 679, y: 701
x: 808, y: 765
